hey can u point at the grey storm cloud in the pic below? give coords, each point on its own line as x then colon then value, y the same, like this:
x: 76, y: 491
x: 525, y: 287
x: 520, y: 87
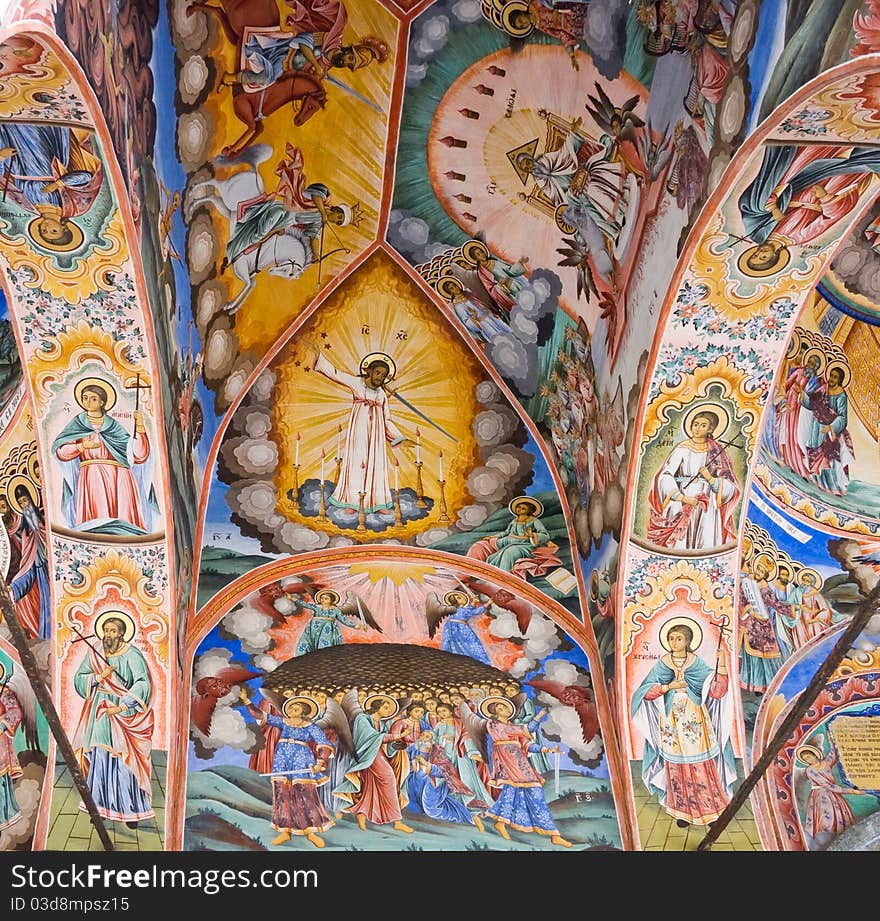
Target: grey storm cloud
x: 228, y: 725
x: 430, y: 33
x: 495, y: 425
x: 605, y: 35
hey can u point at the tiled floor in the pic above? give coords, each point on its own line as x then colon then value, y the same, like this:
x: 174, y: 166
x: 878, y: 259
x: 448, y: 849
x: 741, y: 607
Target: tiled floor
x: 72, y: 830
x: 658, y: 831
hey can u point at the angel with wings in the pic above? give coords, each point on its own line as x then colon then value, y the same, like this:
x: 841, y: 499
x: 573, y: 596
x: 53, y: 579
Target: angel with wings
x: 328, y: 613
x: 301, y: 754
x: 505, y: 746
x: 17, y: 709
x: 455, y: 613
x: 374, y: 788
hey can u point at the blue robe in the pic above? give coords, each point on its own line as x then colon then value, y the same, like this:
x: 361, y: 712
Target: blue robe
x: 458, y: 635
x: 429, y: 792
x: 322, y: 630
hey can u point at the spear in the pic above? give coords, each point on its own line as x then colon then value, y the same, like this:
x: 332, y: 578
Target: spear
x: 710, y: 458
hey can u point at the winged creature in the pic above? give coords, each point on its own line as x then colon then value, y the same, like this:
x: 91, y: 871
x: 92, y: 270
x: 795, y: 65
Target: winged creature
x: 211, y: 688
x: 573, y: 695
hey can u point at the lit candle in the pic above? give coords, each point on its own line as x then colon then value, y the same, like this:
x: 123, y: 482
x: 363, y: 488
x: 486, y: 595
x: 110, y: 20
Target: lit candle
x: 296, y: 460
x: 441, y: 465
x: 418, y: 446
x: 322, y: 466
x: 397, y: 477
x: 339, y: 442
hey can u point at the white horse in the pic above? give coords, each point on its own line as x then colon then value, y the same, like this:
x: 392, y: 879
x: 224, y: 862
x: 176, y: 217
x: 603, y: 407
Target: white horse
x: 286, y: 255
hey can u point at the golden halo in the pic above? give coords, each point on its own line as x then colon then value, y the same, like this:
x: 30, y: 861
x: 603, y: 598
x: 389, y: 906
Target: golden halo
x: 2, y: 672
x: 594, y: 585
x: 801, y: 750
x: 470, y: 249
x: 127, y: 619
x: 33, y: 469
x: 75, y: 241
x: 449, y: 287
x: 770, y: 562
x: 681, y: 622
x: 746, y: 554
x: 486, y: 702
x: 371, y: 697
x: 106, y: 386
x: 309, y: 703
x: 367, y: 360
x: 21, y: 480
x: 794, y: 344
x: 507, y: 14
x: 823, y: 358
x: 334, y: 596
x: 778, y: 266
x: 844, y: 366
x: 785, y: 564
x: 809, y: 571
x: 535, y: 504
x: 718, y: 409
x: 559, y: 216
x: 453, y: 597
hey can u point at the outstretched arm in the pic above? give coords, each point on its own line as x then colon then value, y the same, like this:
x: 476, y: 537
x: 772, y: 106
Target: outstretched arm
x: 324, y: 367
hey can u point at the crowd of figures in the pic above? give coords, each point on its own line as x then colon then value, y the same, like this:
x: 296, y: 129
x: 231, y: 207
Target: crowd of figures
x: 807, y: 429
x: 457, y: 755
x: 587, y: 429
x: 781, y: 609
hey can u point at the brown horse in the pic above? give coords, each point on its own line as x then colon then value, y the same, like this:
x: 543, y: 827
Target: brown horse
x: 252, y: 108
x: 235, y: 16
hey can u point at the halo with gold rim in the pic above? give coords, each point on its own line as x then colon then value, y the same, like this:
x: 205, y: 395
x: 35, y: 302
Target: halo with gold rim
x: 367, y: 360
x: 21, y: 480
x: 334, y: 596
x: 308, y: 702
x: 778, y: 266
x: 507, y: 19
x: 449, y: 287
x: 106, y: 386
x: 681, y: 622
x: 794, y: 344
x: 127, y: 619
x: 717, y: 408
x: 486, y: 702
x: 470, y: 249
x: 371, y: 697
x: 844, y: 366
x: 2, y: 672
x: 536, y: 505
x: 814, y: 750
x: 809, y: 571
x: 769, y: 561
x: 823, y: 358
x: 76, y: 237
x: 455, y: 598
x: 33, y: 469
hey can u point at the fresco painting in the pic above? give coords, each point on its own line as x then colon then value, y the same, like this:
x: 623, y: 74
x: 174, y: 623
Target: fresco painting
x: 481, y: 394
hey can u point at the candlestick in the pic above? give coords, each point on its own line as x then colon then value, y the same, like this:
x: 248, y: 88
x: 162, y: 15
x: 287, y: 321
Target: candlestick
x: 322, y: 514
x: 420, y: 492
x: 441, y: 467
x: 398, y: 518
x: 418, y: 447
x: 339, y: 443
x: 296, y: 458
x: 362, y: 514
x: 444, y: 517
x: 294, y: 493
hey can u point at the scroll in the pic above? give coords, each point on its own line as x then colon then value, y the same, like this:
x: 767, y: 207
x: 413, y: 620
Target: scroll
x: 858, y: 743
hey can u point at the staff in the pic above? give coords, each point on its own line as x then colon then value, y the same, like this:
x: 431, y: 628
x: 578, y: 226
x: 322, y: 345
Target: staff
x: 710, y: 458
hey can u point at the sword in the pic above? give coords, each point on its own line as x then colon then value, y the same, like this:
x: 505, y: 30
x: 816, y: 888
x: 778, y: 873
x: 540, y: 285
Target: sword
x: 420, y: 414
x: 360, y: 610
x: 556, y: 771
x: 308, y: 771
x: 352, y: 92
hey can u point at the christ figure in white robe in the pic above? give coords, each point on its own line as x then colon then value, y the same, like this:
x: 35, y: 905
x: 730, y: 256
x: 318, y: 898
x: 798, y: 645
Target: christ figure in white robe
x: 370, y: 430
